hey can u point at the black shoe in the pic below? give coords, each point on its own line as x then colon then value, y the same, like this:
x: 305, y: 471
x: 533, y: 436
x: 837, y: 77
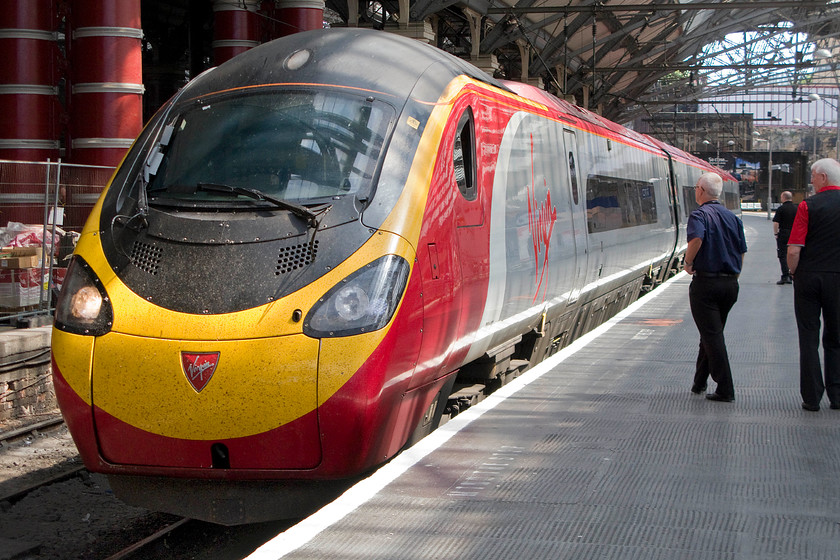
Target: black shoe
x: 834, y: 406
x: 719, y: 398
x: 811, y: 407
x: 697, y: 389
x: 788, y: 280
x: 782, y: 281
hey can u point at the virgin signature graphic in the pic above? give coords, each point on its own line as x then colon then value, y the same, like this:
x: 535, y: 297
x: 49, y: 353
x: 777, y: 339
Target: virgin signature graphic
x: 197, y: 370
x: 541, y: 218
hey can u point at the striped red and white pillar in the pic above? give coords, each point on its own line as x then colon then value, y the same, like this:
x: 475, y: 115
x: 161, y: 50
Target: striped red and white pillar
x: 300, y: 15
x: 106, y: 105
x: 29, y: 105
x: 236, y: 28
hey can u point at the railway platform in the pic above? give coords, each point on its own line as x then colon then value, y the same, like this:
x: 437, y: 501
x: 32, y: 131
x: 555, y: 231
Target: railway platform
x: 603, y: 452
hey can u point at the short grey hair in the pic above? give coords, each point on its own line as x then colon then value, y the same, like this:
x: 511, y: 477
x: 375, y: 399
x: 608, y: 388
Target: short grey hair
x: 711, y: 183
x: 831, y: 169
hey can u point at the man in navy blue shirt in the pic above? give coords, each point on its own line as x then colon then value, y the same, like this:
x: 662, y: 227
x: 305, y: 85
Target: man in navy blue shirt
x: 716, y: 247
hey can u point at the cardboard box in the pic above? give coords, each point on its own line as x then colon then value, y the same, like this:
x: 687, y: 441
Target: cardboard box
x: 19, y: 287
x: 20, y: 257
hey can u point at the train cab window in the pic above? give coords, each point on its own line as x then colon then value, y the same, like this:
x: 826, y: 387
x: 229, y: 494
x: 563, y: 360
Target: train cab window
x: 463, y: 156
x: 302, y: 146
x: 573, y: 175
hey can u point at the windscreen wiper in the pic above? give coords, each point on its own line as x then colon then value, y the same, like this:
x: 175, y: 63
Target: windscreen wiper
x: 296, y: 209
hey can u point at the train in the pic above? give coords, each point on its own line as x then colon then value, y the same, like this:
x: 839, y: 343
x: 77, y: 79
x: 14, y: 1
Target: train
x: 317, y: 252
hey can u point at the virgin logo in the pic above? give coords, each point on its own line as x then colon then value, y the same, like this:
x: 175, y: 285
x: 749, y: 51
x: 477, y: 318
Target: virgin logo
x: 541, y: 218
x: 199, y: 368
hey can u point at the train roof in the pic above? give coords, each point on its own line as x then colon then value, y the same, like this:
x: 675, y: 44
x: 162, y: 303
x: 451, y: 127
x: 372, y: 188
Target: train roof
x: 579, y: 116
x: 588, y: 120
x: 349, y: 57
x: 385, y: 63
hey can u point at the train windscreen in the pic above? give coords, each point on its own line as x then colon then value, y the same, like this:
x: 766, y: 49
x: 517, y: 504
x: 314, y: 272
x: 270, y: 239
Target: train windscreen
x: 299, y: 146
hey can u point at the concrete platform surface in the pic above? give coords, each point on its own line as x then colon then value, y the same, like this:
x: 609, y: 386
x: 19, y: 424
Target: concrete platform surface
x: 605, y: 453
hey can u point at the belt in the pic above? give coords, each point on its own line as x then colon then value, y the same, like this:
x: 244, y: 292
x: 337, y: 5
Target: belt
x: 715, y: 274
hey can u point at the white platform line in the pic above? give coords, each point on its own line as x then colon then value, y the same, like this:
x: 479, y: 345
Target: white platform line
x: 298, y: 535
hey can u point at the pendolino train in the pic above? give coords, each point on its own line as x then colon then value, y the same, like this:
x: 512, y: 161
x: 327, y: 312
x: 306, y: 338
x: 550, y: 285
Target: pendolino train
x: 317, y: 248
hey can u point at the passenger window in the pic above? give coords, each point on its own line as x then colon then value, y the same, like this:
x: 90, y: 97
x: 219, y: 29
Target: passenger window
x: 615, y: 203
x: 463, y: 156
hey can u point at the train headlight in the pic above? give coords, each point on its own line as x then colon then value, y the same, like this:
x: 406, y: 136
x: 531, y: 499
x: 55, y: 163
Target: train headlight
x: 363, y: 302
x: 83, y: 307
x: 351, y: 303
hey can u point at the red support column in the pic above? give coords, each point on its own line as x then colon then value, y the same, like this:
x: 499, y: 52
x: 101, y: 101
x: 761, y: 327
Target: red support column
x: 300, y: 15
x: 106, y: 108
x: 235, y: 28
x: 29, y: 106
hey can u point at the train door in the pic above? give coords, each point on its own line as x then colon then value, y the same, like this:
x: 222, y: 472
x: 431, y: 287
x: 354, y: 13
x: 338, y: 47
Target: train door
x: 673, y: 191
x: 453, y: 288
x: 579, y: 224
x: 673, y: 199
x: 471, y: 234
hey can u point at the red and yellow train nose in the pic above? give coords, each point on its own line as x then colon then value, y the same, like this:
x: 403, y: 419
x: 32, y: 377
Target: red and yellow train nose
x: 246, y: 404
x: 158, y: 389
x: 207, y: 404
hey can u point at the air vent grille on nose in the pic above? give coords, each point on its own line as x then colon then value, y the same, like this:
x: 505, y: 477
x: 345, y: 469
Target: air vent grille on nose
x: 146, y: 257
x: 295, y: 257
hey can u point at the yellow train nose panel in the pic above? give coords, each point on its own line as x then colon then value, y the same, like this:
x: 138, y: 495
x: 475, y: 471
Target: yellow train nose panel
x: 205, y: 390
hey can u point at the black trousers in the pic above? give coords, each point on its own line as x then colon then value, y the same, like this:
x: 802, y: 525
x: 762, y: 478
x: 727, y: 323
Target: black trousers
x: 815, y: 294
x: 711, y: 300
x: 781, y: 251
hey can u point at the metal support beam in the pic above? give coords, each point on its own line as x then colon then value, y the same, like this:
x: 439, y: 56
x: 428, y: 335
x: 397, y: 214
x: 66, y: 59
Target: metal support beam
x: 689, y: 67
x: 694, y: 6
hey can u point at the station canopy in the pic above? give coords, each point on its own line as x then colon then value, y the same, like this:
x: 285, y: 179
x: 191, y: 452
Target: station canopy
x: 629, y: 58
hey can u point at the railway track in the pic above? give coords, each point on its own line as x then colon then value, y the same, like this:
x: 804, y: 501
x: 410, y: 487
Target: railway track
x: 56, y: 473
x: 75, y: 502
x: 190, y: 538
x: 14, y: 497
x: 57, y: 509
x: 129, y: 551
x: 30, y: 429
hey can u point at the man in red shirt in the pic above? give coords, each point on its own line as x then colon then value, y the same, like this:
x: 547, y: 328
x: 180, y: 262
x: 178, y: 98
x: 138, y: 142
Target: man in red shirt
x: 813, y: 256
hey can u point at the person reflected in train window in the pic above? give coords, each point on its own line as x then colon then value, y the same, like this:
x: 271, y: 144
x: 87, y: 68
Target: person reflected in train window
x: 782, y: 224
x: 715, y: 254
x: 813, y: 256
